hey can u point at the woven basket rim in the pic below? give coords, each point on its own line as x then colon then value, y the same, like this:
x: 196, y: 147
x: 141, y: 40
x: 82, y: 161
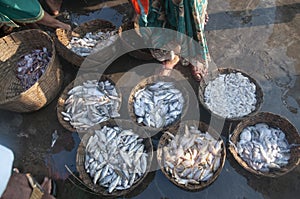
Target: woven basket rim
x: 203, y: 127
x: 149, y: 80
x: 272, y: 120
x: 80, y: 167
x: 48, y: 67
x: 66, y: 34
x: 212, y: 76
x: 78, y: 81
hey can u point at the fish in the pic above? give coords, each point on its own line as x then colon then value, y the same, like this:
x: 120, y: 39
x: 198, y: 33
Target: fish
x: 88, y: 104
x: 92, y: 42
x: 230, y: 95
x: 32, y: 66
x: 185, y: 158
x: 263, y: 147
x: 115, y: 158
x: 158, y: 104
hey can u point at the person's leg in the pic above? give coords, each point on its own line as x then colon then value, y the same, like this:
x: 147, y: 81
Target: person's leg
x: 54, y: 5
x: 50, y: 21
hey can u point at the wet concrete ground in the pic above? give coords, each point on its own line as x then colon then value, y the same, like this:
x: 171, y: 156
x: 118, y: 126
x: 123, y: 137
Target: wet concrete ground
x: 260, y: 37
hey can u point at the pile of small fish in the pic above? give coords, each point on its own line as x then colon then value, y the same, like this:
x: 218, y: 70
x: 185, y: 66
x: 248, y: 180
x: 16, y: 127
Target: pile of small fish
x: 230, y: 95
x: 263, y: 147
x: 192, y: 156
x: 92, y: 42
x: 91, y: 103
x: 32, y: 66
x: 115, y: 158
x: 158, y: 104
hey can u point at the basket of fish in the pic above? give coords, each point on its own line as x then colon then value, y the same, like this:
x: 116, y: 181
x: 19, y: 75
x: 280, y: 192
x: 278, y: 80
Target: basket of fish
x: 88, y: 100
x: 96, y: 36
x: 157, y: 103
x: 231, y: 94
x: 266, y: 144
x: 193, y: 156
x: 114, y: 158
x: 28, y: 64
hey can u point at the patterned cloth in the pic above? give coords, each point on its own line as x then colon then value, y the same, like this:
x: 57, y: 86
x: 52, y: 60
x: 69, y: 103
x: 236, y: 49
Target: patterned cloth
x: 21, y: 11
x: 187, y: 17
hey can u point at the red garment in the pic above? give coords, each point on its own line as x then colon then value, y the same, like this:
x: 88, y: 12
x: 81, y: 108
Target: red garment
x: 144, y: 3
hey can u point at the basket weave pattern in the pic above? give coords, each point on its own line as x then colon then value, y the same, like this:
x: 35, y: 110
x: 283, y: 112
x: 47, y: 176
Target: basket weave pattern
x: 13, y: 97
x: 164, y: 140
x: 63, y: 38
x: 274, y: 121
x: 80, y: 158
x: 213, y: 75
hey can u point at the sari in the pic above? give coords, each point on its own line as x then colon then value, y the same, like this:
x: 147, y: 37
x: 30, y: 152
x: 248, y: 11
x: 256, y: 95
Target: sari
x: 187, y: 17
x: 13, y: 12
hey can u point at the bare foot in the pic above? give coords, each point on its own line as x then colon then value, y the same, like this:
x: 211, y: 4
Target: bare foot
x: 168, y: 66
x: 54, y: 5
x: 206, y: 18
x: 199, y: 71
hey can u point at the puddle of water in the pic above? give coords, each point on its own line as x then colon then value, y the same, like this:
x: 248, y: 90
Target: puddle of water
x: 247, y: 35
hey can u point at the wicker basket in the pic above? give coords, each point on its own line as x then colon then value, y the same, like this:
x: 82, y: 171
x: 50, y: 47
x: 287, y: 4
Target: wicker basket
x: 131, y: 39
x: 78, y: 81
x: 145, y: 82
x: 13, y: 96
x: 164, y: 140
x: 274, y: 121
x: 213, y: 75
x: 80, y: 158
x: 63, y: 37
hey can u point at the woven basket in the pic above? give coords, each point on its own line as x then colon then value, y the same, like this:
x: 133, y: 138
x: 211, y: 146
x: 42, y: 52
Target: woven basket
x: 213, y: 75
x: 164, y: 140
x: 131, y: 39
x: 274, y: 121
x: 13, y: 97
x: 80, y: 158
x: 63, y: 37
x: 78, y: 81
x: 145, y: 82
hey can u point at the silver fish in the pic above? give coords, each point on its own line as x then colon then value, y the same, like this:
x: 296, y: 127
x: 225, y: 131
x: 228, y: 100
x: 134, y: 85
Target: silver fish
x: 230, y: 95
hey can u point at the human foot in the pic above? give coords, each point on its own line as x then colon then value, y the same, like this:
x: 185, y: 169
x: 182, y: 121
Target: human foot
x: 199, y: 72
x: 168, y: 66
x: 54, y: 5
x: 206, y: 18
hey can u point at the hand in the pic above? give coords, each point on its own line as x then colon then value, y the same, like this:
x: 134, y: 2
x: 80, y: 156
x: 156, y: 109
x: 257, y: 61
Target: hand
x: 19, y: 188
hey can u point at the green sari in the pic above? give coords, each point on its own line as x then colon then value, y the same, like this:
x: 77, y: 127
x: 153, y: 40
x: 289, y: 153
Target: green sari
x: 20, y: 11
x: 187, y: 17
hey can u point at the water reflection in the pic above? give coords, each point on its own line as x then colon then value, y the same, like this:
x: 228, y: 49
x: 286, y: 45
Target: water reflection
x: 63, y: 153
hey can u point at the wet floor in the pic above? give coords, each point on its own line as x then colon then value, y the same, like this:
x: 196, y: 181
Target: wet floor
x: 260, y: 37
